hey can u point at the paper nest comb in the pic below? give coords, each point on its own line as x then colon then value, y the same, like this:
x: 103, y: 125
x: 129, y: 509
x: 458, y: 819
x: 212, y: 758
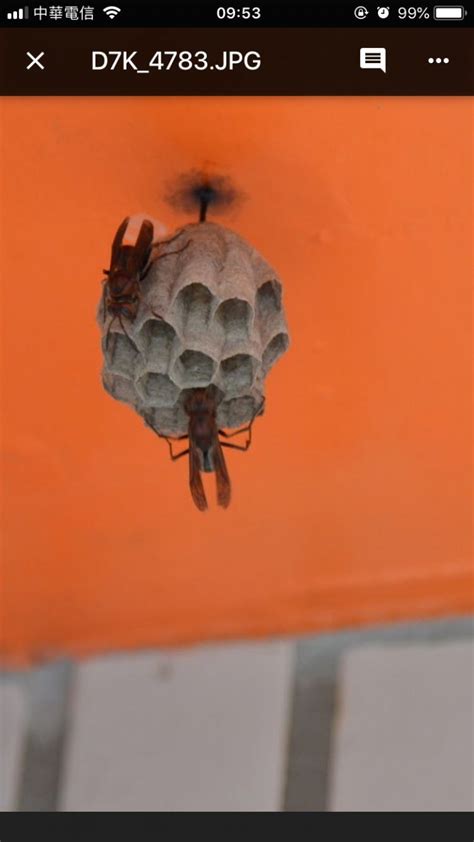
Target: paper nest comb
x: 222, y: 322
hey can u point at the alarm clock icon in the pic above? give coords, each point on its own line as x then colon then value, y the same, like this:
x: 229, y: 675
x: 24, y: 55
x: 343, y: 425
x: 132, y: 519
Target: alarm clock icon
x: 383, y: 11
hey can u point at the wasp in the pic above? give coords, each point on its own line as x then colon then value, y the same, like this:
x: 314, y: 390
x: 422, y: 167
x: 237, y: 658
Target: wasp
x: 129, y: 265
x: 205, y: 448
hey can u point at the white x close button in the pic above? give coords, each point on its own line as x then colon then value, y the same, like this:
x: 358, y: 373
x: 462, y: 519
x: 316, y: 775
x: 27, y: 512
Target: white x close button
x: 35, y: 61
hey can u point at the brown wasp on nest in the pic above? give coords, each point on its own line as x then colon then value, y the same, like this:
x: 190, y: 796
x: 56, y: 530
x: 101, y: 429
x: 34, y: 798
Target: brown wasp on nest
x: 191, y: 327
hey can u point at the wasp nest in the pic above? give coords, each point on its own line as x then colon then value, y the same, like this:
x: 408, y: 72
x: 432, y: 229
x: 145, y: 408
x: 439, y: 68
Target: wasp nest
x: 210, y: 311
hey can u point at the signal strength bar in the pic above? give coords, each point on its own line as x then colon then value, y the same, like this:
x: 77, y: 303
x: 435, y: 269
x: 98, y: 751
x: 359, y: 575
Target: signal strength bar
x: 19, y: 14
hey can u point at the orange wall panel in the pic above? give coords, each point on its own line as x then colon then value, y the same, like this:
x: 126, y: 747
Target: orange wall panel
x: 353, y: 505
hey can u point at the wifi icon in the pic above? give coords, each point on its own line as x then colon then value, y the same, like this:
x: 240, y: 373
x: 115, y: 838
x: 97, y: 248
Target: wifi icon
x: 111, y: 11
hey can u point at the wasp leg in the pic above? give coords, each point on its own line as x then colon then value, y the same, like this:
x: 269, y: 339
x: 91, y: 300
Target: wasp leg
x: 178, y: 251
x: 237, y: 446
x: 159, y: 257
x: 236, y: 432
x: 107, y: 335
x: 247, y: 429
x: 168, y: 440
x: 162, y: 436
x: 166, y: 242
x: 175, y: 456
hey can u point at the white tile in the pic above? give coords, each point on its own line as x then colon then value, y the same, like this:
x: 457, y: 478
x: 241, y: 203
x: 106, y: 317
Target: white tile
x: 13, y: 718
x: 201, y: 729
x: 404, y: 735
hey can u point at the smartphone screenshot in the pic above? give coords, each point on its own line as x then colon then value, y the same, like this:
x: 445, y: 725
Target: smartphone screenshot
x: 237, y: 261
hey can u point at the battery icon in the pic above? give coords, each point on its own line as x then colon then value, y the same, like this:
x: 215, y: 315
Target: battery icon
x: 448, y: 12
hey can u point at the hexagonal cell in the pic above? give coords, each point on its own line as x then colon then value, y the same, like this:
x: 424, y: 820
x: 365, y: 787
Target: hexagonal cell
x: 237, y: 412
x: 237, y: 372
x: 169, y: 421
x: 119, y: 387
x: 193, y: 309
x: 268, y: 300
x: 121, y: 354
x: 157, y: 338
x: 234, y: 317
x: 157, y: 389
x: 275, y: 348
x: 193, y: 369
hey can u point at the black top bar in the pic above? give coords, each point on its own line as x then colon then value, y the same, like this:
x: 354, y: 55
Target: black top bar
x: 252, y: 15
x: 143, y: 62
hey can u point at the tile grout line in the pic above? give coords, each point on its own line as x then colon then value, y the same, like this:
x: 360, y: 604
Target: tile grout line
x: 44, y: 753
x: 314, y: 705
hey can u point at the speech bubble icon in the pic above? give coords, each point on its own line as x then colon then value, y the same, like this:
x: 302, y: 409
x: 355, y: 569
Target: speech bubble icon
x: 373, y: 58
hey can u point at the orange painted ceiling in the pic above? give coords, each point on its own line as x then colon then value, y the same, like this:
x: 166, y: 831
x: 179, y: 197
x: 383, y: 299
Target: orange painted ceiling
x: 353, y: 505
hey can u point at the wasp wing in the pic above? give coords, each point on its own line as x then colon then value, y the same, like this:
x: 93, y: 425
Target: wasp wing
x: 195, y: 479
x: 139, y: 254
x: 222, y: 477
x: 117, y: 243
